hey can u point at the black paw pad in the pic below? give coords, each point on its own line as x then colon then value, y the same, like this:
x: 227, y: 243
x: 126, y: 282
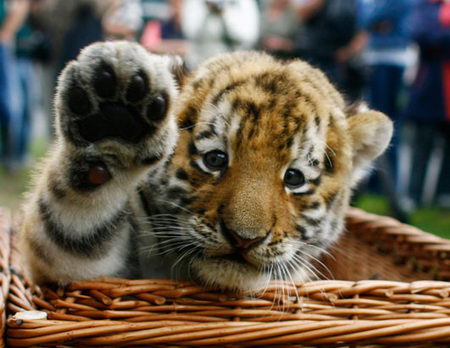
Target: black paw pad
x: 113, y: 121
x: 138, y: 88
x: 157, y: 108
x: 105, y: 82
x: 78, y: 100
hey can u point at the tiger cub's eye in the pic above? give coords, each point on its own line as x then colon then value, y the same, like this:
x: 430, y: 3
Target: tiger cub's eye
x: 293, y: 178
x: 215, y: 160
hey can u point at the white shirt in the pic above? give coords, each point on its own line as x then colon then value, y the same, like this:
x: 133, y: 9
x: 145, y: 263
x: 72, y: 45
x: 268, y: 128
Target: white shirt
x: 206, y: 31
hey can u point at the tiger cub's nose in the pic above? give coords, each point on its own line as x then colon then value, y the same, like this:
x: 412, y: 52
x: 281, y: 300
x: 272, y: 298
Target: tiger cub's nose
x: 238, y: 241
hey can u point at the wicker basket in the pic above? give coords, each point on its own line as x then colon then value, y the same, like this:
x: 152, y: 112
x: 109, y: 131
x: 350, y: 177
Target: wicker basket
x: 348, y: 311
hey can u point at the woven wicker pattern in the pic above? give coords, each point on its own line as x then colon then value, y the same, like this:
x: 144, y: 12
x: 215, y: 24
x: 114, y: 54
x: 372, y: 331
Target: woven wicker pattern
x: 378, y: 247
x: 330, y: 312
x: 184, y: 314
x: 407, y: 245
x: 5, y: 276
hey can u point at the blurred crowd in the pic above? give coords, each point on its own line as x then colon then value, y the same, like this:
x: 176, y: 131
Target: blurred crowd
x: 394, y: 54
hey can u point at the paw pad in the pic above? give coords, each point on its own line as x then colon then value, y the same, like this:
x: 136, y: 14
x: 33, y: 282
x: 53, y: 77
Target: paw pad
x: 137, y: 89
x: 105, y: 82
x: 98, y: 174
x: 78, y: 101
x: 114, y: 99
x: 114, y: 121
x: 156, y: 109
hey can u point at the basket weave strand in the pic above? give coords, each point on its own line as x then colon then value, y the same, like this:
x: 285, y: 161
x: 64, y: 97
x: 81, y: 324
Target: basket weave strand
x: 5, y: 274
x: 161, y: 312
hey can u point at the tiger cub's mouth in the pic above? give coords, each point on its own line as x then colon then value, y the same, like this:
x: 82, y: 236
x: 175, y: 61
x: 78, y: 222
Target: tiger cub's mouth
x: 235, y: 257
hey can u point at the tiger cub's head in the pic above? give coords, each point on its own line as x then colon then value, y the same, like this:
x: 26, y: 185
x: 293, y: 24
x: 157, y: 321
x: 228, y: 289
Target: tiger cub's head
x: 261, y: 177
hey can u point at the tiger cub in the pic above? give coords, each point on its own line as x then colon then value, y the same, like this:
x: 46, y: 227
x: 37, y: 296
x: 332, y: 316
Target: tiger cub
x: 260, y: 179
x: 114, y: 125
x: 252, y: 184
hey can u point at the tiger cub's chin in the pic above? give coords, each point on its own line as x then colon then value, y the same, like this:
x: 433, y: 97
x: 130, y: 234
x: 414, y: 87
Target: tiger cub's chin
x: 241, y: 277
x: 230, y: 275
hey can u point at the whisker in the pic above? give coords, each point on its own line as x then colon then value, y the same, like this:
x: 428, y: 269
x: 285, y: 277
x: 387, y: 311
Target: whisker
x: 177, y: 206
x: 313, y: 271
x: 318, y: 261
x: 297, y: 297
x: 182, y: 256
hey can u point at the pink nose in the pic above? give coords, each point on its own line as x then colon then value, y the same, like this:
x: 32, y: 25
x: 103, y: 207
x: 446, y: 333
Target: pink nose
x: 239, y: 242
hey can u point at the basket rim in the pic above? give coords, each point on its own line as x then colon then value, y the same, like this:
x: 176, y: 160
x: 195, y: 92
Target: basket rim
x: 110, y: 311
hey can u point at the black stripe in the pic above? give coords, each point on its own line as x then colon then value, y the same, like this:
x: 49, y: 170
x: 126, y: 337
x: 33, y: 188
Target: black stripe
x: 317, y: 121
x: 184, y: 201
x: 192, y: 149
x: 310, y: 152
x: 316, y: 181
x: 268, y: 82
x: 313, y: 205
x: 205, y: 134
x: 152, y: 159
x: 227, y: 89
x: 187, y: 124
x: 57, y: 190
x: 176, y: 192
x: 329, y: 168
x: 330, y: 199
x: 132, y: 269
x: 188, y: 117
x: 145, y: 204
x: 311, y: 221
x: 289, y: 142
x: 181, y: 174
x: 302, y: 231
x: 92, y: 245
x: 252, y: 110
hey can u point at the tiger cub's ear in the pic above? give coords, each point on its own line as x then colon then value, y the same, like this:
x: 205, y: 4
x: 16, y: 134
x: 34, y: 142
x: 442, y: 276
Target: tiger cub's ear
x: 371, y: 132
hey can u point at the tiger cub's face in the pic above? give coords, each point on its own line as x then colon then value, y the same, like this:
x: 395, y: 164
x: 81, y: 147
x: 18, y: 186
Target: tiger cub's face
x: 260, y: 179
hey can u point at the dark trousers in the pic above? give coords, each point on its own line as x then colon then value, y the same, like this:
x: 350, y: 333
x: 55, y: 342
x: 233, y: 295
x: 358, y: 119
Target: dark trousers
x: 425, y: 140
x: 384, y: 90
x: 385, y: 86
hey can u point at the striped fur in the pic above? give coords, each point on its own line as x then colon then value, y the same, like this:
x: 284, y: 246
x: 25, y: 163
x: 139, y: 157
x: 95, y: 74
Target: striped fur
x: 74, y: 228
x: 263, y: 117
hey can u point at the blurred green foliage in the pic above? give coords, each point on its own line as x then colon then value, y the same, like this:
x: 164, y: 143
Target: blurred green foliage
x: 431, y: 219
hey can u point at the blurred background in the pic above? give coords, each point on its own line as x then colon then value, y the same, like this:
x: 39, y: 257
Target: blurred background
x: 393, y: 54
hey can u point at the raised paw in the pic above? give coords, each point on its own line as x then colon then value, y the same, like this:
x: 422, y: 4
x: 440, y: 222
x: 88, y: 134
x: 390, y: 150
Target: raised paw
x: 117, y: 94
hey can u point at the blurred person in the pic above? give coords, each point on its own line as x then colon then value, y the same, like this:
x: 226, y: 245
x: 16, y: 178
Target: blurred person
x: 279, y: 28
x: 31, y: 47
x: 123, y: 20
x: 79, y: 21
x: 387, y: 53
x: 165, y: 36
x: 69, y: 26
x: 330, y: 40
x: 218, y: 26
x: 428, y: 108
x: 13, y: 14
x: 86, y: 27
